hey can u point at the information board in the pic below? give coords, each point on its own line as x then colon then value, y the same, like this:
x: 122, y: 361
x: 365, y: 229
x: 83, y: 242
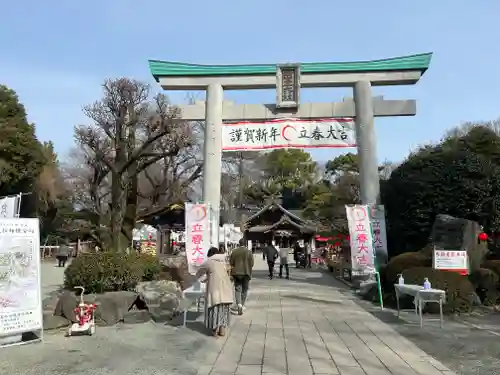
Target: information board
x: 447, y: 260
x: 20, y: 277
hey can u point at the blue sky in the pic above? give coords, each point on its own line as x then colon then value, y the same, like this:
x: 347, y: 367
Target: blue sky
x: 56, y: 54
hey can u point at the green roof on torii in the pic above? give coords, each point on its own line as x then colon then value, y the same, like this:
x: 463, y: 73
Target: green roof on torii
x: 419, y: 62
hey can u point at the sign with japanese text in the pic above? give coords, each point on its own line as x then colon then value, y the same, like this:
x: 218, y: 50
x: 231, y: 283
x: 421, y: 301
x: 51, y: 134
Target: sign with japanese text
x: 288, y: 133
x: 361, y: 240
x: 449, y: 260
x: 8, y: 207
x: 377, y: 217
x: 197, y: 234
x: 20, y: 278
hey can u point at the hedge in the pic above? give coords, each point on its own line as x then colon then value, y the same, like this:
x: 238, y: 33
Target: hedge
x: 493, y: 265
x: 486, y: 283
x: 459, y: 290
x: 458, y: 178
x: 402, y: 262
x: 109, y: 271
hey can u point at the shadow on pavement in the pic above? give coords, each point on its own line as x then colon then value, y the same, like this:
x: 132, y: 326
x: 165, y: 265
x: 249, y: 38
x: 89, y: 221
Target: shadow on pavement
x: 312, y: 276
x: 309, y: 299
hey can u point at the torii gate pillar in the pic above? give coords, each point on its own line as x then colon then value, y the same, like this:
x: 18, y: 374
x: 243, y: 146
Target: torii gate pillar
x: 361, y: 76
x: 366, y: 141
x: 212, y: 152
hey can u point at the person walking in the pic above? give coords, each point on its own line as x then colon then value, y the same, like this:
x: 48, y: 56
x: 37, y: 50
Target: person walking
x: 271, y: 256
x: 307, y: 251
x: 241, y: 262
x: 62, y: 254
x: 284, y: 262
x: 218, y: 293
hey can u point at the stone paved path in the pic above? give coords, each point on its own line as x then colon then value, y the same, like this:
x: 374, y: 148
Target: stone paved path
x: 306, y: 326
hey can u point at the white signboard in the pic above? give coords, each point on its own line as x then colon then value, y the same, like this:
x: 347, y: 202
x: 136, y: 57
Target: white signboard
x: 197, y: 235
x: 451, y: 260
x: 20, y: 282
x: 361, y: 240
x: 289, y: 133
x: 377, y: 217
x: 8, y: 207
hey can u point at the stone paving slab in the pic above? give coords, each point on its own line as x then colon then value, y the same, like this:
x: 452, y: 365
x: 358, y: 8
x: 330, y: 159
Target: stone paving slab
x: 301, y: 327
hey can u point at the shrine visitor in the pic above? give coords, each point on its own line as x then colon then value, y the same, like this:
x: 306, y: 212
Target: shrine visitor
x: 219, y: 292
x: 62, y: 254
x: 271, y: 256
x: 284, y: 262
x: 241, y: 261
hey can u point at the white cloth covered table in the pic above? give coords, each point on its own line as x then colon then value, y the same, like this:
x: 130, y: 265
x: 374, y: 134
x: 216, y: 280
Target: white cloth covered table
x: 421, y: 296
x: 196, y: 292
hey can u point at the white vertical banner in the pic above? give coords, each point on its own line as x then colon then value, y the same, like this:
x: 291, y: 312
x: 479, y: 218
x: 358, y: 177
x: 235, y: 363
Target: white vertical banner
x: 214, y: 226
x: 361, y: 240
x: 20, y: 277
x: 197, y: 234
x: 377, y: 217
x: 9, y: 207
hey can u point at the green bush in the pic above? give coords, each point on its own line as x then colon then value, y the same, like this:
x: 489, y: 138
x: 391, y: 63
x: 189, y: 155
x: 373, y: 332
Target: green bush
x: 150, y: 265
x: 457, y: 177
x: 486, y: 283
x: 109, y: 271
x: 459, y: 290
x: 402, y: 262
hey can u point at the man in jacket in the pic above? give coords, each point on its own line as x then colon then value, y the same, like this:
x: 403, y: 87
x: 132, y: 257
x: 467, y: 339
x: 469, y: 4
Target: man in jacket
x: 62, y: 254
x: 241, y: 262
x: 271, y: 256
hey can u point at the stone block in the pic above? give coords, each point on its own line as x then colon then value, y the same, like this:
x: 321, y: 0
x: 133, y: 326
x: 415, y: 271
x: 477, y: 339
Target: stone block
x: 452, y: 233
x: 136, y: 316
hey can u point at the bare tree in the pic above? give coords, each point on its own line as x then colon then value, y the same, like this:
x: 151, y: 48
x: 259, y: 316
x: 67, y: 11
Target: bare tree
x: 170, y: 179
x: 466, y: 127
x: 128, y: 134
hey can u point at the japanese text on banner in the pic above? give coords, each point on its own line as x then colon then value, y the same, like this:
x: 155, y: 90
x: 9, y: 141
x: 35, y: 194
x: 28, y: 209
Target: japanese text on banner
x: 361, y: 240
x: 377, y: 217
x: 288, y: 133
x: 197, y: 234
x: 20, y: 286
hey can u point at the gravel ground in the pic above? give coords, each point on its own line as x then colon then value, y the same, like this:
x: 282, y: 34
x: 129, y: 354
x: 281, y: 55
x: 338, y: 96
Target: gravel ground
x: 467, y: 344
x: 121, y: 350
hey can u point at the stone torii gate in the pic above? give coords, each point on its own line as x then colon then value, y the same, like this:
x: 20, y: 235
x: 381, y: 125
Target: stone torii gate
x: 287, y: 79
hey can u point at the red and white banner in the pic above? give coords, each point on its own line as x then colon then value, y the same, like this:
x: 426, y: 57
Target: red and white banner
x: 289, y: 133
x: 197, y: 234
x: 447, y: 260
x: 361, y: 239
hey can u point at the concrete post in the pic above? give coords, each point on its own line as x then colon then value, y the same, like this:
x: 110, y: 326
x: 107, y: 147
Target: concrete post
x: 212, y: 165
x: 367, y: 143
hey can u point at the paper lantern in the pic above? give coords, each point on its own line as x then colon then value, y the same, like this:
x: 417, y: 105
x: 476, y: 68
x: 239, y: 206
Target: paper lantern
x: 483, y: 236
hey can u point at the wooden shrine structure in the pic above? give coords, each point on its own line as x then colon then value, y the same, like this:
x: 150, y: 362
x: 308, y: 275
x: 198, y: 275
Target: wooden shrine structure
x: 275, y: 223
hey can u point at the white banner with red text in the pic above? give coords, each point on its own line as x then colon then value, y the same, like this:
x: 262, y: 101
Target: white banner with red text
x: 197, y: 234
x: 361, y: 240
x: 289, y: 133
x: 456, y: 261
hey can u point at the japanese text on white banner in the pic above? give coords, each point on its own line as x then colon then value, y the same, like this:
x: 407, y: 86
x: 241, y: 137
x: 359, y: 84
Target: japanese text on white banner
x: 362, y: 251
x: 289, y: 133
x: 197, y: 234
